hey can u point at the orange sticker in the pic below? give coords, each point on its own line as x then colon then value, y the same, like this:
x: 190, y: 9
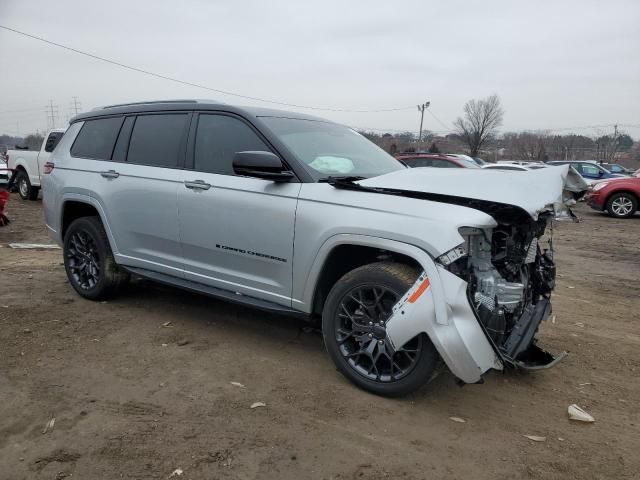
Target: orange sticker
x: 421, y: 289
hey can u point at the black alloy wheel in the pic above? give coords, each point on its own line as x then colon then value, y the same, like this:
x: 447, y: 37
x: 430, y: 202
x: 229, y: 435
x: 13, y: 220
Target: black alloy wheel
x: 361, y: 335
x: 354, y: 321
x: 83, y: 260
x: 89, y: 262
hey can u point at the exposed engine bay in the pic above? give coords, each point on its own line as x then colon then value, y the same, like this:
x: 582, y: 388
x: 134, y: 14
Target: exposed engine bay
x: 511, y: 273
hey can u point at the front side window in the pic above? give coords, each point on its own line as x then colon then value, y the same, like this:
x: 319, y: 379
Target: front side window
x: 327, y: 149
x: 97, y: 138
x: 156, y: 140
x: 219, y: 138
x: 590, y: 170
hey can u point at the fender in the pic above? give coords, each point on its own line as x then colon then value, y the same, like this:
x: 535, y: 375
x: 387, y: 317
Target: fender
x: 22, y: 163
x: 441, y: 311
x: 88, y: 199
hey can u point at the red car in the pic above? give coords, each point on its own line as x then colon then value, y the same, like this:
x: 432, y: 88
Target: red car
x: 435, y: 160
x: 619, y: 197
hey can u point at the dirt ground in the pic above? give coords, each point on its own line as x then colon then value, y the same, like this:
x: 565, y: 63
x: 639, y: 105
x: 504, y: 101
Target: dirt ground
x: 131, y: 400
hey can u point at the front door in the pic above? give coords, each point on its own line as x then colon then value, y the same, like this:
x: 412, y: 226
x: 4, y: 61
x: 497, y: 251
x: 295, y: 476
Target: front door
x: 236, y: 232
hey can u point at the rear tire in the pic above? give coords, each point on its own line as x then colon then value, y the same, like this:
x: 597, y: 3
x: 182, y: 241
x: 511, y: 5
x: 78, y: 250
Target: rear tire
x: 25, y: 189
x: 377, y: 286
x: 89, y: 262
x: 622, y: 205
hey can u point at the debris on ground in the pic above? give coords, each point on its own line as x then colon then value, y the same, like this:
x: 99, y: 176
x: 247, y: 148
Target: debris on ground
x: 237, y: 384
x: 258, y: 404
x: 34, y: 246
x: 457, y: 419
x: 166, y: 324
x: 49, y: 426
x: 576, y: 413
x: 536, y: 438
x: 176, y: 473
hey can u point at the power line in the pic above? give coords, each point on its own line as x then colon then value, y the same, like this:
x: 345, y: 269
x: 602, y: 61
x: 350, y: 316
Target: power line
x: 439, y: 121
x: 22, y: 110
x: 196, y: 85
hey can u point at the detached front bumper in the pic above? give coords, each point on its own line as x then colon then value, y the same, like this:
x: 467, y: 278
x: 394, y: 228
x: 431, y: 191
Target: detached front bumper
x: 520, y: 349
x: 438, y: 305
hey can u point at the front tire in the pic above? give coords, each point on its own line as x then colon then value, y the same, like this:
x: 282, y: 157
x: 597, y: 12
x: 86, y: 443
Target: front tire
x: 25, y: 189
x: 622, y: 205
x: 89, y: 262
x: 359, y: 302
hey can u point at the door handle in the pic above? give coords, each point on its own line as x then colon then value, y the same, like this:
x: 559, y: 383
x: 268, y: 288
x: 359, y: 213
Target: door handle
x: 110, y: 174
x: 197, y: 185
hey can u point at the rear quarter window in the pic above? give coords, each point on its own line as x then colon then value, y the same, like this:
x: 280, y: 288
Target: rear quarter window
x: 52, y: 140
x: 97, y: 138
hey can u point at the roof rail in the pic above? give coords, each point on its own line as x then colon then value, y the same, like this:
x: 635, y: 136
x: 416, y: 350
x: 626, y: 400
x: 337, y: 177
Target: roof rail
x: 154, y: 102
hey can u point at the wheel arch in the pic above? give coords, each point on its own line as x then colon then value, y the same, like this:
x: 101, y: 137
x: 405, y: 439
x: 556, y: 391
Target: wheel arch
x: 622, y: 190
x: 343, y: 258
x: 364, y: 249
x: 75, y: 206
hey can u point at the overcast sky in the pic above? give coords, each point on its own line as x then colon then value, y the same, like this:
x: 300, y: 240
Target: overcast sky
x: 554, y: 64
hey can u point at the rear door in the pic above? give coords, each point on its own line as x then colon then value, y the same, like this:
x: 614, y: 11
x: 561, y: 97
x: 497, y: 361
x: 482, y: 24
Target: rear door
x: 236, y: 232
x: 138, y: 190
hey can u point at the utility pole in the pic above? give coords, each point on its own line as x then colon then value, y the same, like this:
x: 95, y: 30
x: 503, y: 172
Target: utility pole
x: 52, y: 114
x: 421, y: 109
x: 76, y: 105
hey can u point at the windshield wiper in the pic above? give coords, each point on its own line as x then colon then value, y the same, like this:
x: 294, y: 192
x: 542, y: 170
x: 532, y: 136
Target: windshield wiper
x: 335, y: 179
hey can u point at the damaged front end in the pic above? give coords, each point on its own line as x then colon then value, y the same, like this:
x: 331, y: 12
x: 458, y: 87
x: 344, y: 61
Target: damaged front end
x: 510, y: 272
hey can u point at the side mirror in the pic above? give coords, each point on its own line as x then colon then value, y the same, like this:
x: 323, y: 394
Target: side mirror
x: 264, y: 165
x: 600, y: 173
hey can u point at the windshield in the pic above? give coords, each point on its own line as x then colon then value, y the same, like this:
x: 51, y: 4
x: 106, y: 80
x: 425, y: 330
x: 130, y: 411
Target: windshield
x: 330, y: 150
x: 468, y: 162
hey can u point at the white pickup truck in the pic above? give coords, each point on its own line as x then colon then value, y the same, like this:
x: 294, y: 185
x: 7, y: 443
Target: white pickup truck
x: 28, y: 165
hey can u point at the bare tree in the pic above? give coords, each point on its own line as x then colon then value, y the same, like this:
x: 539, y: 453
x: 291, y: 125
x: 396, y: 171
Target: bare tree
x: 528, y: 146
x: 481, y: 120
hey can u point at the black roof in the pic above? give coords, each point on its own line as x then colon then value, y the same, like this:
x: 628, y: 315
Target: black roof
x: 191, y: 105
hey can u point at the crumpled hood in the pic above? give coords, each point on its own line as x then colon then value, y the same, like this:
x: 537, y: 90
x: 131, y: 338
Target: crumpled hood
x: 534, y: 191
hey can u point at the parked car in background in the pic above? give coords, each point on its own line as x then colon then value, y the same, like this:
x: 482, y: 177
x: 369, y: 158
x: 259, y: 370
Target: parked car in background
x: 514, y: 166
x: 480, y: 162
x: 436, y: 160
x: 4, y: 171
x: 619, y: 197
x: 404, y: 266
x: 590, y: 171
x: 616, y: 168
x: 29, y: 165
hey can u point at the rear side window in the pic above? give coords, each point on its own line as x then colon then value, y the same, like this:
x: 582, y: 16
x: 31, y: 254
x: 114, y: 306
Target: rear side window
x: 218, y: 138
x: 52, y: 140
x: 157, y: 139
x: 97, y: 138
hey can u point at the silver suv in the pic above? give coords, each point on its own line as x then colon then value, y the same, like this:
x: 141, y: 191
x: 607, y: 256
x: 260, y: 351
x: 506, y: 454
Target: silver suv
x: 298, y: 215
